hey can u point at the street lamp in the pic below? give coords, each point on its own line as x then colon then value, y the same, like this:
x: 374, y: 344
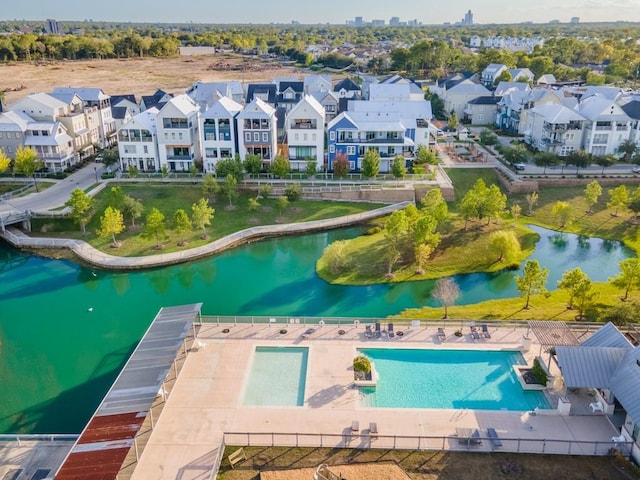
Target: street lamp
x: 95, y: 170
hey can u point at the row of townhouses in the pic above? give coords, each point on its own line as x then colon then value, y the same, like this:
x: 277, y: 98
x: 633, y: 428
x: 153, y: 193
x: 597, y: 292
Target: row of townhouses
x: 311, y: 119
x: 552, y: 117
x: 63, y: 127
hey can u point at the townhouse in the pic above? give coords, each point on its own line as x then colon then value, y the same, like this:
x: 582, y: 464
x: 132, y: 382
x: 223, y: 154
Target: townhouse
x: 305, y: 134
x: 554, y: 128
x: 178, y: 134
x: 219, y: 128
x: 606, y: 126
x: 138, y: 142
x: 257, y: 131
x: 13, y: 129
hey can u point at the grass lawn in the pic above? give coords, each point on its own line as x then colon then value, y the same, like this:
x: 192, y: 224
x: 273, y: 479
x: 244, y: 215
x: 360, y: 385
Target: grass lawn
x: 434, y: 465
x: 9, y: 187
x: 169, y: 198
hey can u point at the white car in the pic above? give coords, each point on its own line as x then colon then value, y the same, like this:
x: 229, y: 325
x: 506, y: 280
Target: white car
x: 635, y: 169
x: 518, y: 166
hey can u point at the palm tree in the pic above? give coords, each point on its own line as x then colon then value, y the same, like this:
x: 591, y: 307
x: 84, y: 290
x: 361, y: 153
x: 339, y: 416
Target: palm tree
x: 627, y: 149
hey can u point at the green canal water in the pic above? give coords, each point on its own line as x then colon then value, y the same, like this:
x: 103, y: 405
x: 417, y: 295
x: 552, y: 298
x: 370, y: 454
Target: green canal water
x: 67, y: 330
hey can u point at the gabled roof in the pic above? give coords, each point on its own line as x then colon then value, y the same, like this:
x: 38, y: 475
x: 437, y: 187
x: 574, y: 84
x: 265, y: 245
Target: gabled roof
x: 224, y: 107
x: 11, y: 119
x: 589, y: 367
x: 598, y: 108
x: 88, y: 94
x: 183, y: 103
x: 625, y: 383
x: 554, y: 113
x: 115, y: 99
x: 346, y: 84
x: 408, y: 111
x: 155, y: 100
x: 308, y: 101
x: 204, y: 93
x: 632, y: 109
x: 322, y: 97
x: 504, y: 87
x: 485, y: 100
x: 45, y: 99
x: 296, y: 86
x: 119, y: 113
x: 311, y: 81
x: 257, y: 109
x: 452, y: 80
x: 521, y: 73
x: 368, y: 121
x: 145, y: 120
x: 608, y: 336
x: 467, y: 87
x: 610, y: 93
x: 493, y: 69
x: 260, y: 89
x: 67, y: 97
x: 546, y: 79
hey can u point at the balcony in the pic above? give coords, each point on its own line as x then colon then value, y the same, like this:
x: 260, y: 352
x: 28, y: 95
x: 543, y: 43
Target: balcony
x: 182, y: 158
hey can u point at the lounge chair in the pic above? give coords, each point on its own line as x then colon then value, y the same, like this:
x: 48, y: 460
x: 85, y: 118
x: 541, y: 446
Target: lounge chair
x: 596, y: 407
x: 475, y: 438
x: 355, y: 426
x: 307, y: 333
x: 474, y: 333
x: 390, y: 331
x: 373, y: 430
x: 378, y: 331
x: 441, y: 335
x: 368, y: 333
x: 485, y: 331
x: 493, y: 435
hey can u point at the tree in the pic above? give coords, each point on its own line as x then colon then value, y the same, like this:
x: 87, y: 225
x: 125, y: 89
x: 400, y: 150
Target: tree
x: 193, y: 171
x: 132, y: 208
x: 481, y: 202
x: 81, y: 205
x: 515, y: 154
x: 545, y: 159
x: 446, y: 292
x: 27, y: 163
x: 253, y: 204
x: 396, y: 228
x: 340, y: 165
x: 252, y: 164
x: 280, y: 167
x: 398, y: 168
x: 230, y: 188
x: 115, y: 197
x: 532, y: 281
x: 627, y: 148
x: 516, y: 210
x: 111, y: 224
x: 570, y: 281
x: 532, y: 200
x: 487, y: 137
x: 592, y: 193
x: 336, y: 257
x: 562, y: 210
x: 505, y: 246
x: 629, y: 276
x: 181, y: 224
x: 453, y: 122
x: 5, y: 161
x: 422, y: 254
x: 164, y: 171
x: 605, y: 161
x: 618, y: 198
x: 230, y: 166
x: 210, y: 185
x: 371, y: 163
x: 110, y: 156
x: 202, y: 214
x: 293, y: 192
x: 311, y: 168
x: 265, y: 191
x: 634, y: 202
x: 581, y: 159
x: 426, y: 155
x: 154, y: 225
x: 133, y: 171
x: 283, y: 203
x: 433, y: 204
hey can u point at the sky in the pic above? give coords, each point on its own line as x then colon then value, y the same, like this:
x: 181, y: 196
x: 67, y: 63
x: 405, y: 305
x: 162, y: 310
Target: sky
x: 325, y: 11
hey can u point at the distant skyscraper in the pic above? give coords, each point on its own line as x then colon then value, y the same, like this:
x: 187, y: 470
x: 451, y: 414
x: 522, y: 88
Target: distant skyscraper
x: 468, y: 19
x: 52, y: 26
x: 394, y: 22
x: 358, y: 22
x: 575, y: 20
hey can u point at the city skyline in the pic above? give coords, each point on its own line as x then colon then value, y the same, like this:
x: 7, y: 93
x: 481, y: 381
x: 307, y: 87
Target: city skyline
x: 334, y: 12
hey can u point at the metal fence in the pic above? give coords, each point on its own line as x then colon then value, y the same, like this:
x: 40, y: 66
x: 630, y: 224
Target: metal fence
x: 50, y: 437
x: 404, y: 442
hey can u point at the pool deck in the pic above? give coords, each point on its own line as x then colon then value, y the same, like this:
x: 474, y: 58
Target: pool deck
x: 206, y: 400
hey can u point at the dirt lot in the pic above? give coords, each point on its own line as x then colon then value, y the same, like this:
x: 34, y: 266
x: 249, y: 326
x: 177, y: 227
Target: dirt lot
x: 140, y: 76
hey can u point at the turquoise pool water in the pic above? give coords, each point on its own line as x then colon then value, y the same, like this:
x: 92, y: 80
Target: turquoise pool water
x: 455, y: 379
x: 277, y: 377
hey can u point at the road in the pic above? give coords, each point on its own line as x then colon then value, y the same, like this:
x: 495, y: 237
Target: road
x: 54, y: 196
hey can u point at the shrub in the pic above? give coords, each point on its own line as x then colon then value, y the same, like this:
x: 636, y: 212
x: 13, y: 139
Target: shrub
x: 538, y: 373
x: 361, y: 364
x: 293, y: 192
x: 373, y: 231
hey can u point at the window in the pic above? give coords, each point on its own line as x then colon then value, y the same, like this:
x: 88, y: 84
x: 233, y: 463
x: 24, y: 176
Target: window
x: 296, y: 136
x: 247, y: 136
x: 129, y: 149
x: 332, y: 149
x: 256, y: 136
x: 304, y: 137
x: 265, y: 137
x: 351, y: 149
x: 211, y: 152
x: 313, y: 136
x: 145, y: 149
x: 332, y: 136
x: 601, y: 138
x: 568, y: 137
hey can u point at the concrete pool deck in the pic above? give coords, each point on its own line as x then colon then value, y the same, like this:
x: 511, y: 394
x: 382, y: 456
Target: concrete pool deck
x: 206, y: 401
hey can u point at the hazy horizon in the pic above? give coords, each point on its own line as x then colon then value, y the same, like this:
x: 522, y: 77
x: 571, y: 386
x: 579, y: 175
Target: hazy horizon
x: 332, y: 11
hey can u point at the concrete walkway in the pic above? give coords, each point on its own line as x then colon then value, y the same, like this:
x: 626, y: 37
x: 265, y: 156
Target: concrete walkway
x: 100, y: 259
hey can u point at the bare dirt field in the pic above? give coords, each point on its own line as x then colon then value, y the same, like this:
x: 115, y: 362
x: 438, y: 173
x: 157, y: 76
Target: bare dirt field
x: 139, y: 76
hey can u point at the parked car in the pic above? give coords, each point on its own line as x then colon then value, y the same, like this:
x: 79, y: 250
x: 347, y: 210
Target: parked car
x: 518, y: 166
x: 635, y: 169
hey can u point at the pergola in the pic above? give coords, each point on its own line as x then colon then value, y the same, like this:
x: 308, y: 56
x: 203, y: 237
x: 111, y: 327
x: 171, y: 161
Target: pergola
x: 552, y: 334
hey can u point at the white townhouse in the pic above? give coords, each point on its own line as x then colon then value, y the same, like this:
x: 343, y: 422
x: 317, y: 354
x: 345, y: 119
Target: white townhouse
x: 257, y: 131
x: 52, y: 144
x: 554, y: 128
x: 205, y: 94
x: 178, y: 134
x: 138, y: 142
x: 13, y: 129
x: 317, y: 84
x: 607, y: 125
x: 218, y: 127
x: 330, y: 102
x: 490, y: 74
x: 456, y: 98
x: 632, y: 109
x: 305, y: 133
x: 94, y: 98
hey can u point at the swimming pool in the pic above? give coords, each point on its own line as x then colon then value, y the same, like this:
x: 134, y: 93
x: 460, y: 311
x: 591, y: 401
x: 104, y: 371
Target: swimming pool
x: 455, y: 379
x: 277, y: 376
